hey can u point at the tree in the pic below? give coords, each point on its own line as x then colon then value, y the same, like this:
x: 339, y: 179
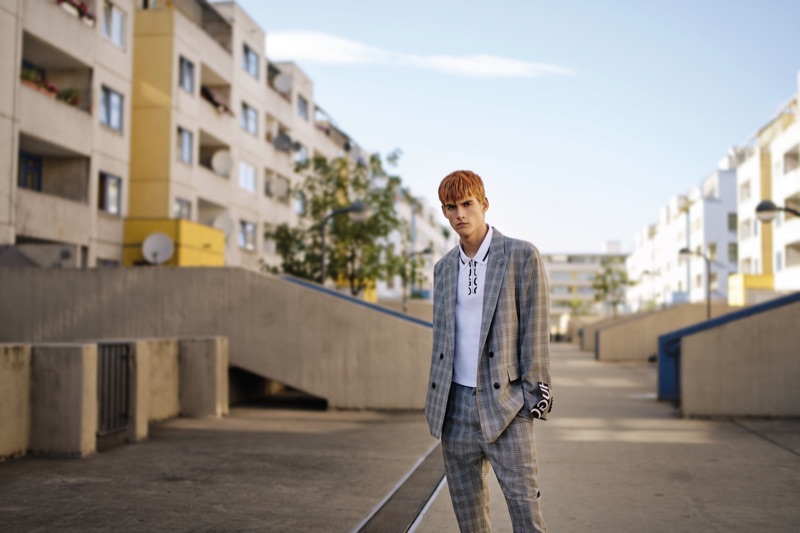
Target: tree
x: 609, y: 285
x: 356, y: 253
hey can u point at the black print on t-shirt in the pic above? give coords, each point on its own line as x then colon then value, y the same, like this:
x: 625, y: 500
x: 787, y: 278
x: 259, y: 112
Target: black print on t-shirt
x: 472, y: 287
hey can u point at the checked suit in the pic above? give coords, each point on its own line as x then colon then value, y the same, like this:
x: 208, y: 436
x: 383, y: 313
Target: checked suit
x: 492, y: 422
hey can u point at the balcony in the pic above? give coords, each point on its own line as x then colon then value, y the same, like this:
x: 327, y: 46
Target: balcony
x: 51, y: 218
x: 215, y: 110
x: 53, y: 170
x: 61, y: 26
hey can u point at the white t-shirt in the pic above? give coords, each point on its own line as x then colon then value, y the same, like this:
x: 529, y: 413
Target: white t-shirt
x: 469, y: 312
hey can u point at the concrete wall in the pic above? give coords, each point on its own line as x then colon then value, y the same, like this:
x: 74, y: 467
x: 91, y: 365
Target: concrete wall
x: 64, y: 399
x: 204, y: 377
x: 349, y: 354
x: 749, y: 367
x: 15, y: 392
x: 586, y: 333
x: 636, y: 338
x: 48, y: 392
x: 164, y: 378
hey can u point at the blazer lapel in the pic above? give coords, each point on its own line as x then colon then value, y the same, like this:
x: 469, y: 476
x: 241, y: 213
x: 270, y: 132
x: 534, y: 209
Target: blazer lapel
x: 450, y: 271
x: 495, y: 273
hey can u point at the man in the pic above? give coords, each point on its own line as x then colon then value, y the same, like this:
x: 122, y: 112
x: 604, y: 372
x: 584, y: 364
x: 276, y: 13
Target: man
x: 490, y: 365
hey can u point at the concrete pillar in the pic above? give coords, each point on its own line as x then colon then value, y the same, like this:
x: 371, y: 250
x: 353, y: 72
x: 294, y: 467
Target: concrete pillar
x: 141, y: 390
x: 204, y: 376
x: 164, y: 378
x: 15, y: 405
x: 64, y: 399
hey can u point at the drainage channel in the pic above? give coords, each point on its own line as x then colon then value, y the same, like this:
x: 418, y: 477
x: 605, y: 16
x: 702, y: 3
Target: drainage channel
x: 400, y: 509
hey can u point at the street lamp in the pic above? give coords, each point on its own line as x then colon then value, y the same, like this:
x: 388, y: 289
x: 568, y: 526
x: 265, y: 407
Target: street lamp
x: 686, y: 253
x: 410, y: 257
x: 766, y: 211
x: 359, y: 212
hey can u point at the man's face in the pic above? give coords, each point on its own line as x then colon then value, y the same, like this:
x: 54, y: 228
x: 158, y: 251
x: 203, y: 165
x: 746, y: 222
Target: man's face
x: 467, y: 216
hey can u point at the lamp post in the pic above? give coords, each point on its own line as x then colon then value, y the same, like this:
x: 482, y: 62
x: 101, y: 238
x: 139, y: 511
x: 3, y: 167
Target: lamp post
x: 359, y: 212
x: 410, y: 258
x: 766, y: 211
x: 686, y: 253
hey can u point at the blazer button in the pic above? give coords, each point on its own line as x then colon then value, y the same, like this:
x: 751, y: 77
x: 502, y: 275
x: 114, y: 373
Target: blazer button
x: 441, y: 356
x: 496, y: 385
x: 433, y: 385
x: 491, y: 354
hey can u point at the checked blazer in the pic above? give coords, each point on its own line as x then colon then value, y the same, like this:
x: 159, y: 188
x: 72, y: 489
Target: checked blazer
x: 514, y: 337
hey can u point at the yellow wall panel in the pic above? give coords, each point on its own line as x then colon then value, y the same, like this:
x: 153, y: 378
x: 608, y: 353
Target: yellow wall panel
x: 149, y: 199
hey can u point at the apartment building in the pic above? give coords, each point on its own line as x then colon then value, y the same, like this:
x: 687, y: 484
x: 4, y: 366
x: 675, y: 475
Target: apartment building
x: 571, y: 278
x: 769, y: 253
x: 217, y: 131
x: 65, y: 129
x: 424, y: 238
x: 703, y: 221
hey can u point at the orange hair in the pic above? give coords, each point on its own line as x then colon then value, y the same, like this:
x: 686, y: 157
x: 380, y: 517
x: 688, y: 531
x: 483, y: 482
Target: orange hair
x: 459, y: 185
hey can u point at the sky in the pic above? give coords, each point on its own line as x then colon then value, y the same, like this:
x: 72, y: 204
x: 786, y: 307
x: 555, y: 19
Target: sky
x: 582, y: 117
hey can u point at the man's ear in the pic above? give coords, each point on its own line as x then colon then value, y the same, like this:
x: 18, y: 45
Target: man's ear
x: 444, y: 211
x: 485, y: 204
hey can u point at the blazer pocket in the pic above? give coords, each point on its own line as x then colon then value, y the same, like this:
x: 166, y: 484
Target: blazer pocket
x: 513, y: 373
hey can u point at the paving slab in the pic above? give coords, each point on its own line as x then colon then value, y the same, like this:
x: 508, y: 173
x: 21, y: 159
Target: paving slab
x: 256, y: 470
x: 612, y: 458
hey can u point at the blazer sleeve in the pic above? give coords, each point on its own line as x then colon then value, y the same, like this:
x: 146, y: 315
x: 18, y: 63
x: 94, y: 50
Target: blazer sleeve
x: 534, y: 320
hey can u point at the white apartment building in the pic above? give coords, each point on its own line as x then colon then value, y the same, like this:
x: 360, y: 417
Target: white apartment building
x: 571, y: 278
x: 769, y: 253
x: 703, y: 221
x: 65, y: 102
x: 426, y: 239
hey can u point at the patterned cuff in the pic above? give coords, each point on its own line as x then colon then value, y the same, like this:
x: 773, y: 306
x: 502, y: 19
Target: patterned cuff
x: 544, y: 401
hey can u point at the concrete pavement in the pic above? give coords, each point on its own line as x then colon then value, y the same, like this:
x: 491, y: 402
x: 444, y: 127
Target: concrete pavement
x: 611, y: 459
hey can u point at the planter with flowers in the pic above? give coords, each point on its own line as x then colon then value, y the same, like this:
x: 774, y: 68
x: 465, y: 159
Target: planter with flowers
x: 35, y: 79
x: 78, y: 9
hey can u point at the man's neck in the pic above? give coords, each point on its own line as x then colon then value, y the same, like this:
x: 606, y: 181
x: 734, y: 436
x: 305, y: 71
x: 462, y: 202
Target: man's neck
x: 472, y: 246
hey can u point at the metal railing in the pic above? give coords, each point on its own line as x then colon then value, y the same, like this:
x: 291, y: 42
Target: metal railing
x: 113, y: 387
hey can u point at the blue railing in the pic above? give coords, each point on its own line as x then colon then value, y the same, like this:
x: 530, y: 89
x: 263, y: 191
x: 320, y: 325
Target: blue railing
x: 330, y: 292
x: 669, y: 345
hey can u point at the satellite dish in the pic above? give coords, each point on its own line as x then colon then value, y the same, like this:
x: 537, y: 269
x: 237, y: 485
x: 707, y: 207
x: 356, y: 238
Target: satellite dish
x: 282, y: 83
x: 296, y: 146
x: 224, y: 223
x: 157, y: 248
x: 283, y: 142
x: 279, y: 187
x: 222, y: 162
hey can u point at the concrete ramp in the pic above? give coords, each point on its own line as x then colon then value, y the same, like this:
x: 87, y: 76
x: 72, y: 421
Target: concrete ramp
x: 353, y: 354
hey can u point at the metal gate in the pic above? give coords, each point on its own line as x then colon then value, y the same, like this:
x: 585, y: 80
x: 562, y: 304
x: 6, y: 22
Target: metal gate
x: 113, y: 387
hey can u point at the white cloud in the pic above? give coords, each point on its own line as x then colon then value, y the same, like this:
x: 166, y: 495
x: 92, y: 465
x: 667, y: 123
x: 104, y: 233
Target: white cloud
x: 299, y: 45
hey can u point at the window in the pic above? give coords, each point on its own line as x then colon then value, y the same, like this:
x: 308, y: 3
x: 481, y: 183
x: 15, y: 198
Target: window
x: 300, y: 203
x: 30, y: 172
x: 745, y: 231
x: 755, y: 228
x: 111, y: 108
x: 250, y: 61
x: 744, y: 191
x: 247, y: 235
x: 269, y: 243
x: 185, y: 145
x: 249, y: 119
x: 302, y: 107
x: 713, y: 282
x: 113, y: 24
x: 698, y: 224
x: 277, y: 187
x: 182, y: 209
x: 733, y: 221
x: 712, y: 251
x: 247, y: 176
x: 300, y: 154
x: 109, y: 194
x: 778, y: 261
x: 186, y: 75
x: 791, y: 160
x: 698, y: 281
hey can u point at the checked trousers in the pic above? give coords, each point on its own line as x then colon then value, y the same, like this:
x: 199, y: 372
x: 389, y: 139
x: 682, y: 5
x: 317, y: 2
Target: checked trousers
x: 467, y: 458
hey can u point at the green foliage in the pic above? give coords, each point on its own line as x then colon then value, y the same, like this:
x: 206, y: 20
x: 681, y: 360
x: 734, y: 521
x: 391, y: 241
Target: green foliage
x: 356, y: 253
x: 609, y: 285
